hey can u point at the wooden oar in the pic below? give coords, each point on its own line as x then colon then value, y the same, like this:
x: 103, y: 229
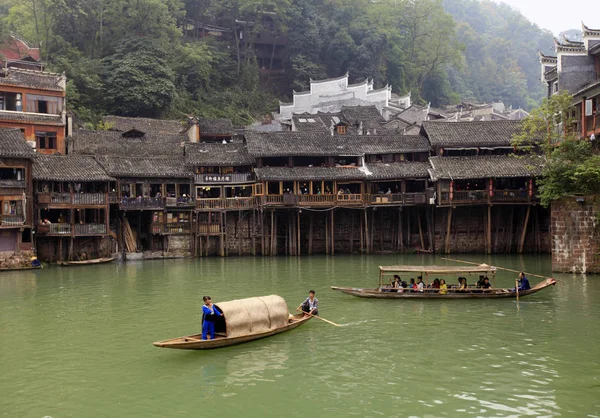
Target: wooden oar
x: 499, y: 268
x: 317, y: 316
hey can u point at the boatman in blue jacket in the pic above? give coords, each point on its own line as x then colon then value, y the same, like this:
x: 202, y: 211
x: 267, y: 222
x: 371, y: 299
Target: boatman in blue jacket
x: 523, y: 282
x: 209, y: 316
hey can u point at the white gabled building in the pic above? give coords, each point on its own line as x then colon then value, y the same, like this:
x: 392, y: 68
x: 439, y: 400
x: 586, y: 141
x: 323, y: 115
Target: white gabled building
x: 330, y: 95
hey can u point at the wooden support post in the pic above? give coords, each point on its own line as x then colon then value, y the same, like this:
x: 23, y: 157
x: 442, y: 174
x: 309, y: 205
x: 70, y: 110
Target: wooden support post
x: 252, y: 230
x: 382, y: 233
x: 60, y: 249
x: 239, y: 234
x: 400, y: 232
x: 225, y: 234
x: 511, y: 229
x: 221, y: 235
x: 332, y: 233
x: 498, y: 216
x: 420, y: 229
x: 327, y: 233
x: 408, y: 234
x: 310, y: 233
x: 200, y: 245
x: 449, y: 223
x: 351, y: 232
x: 372, y: 237
x: 298, y: 248
x: 368, y: 248
x: 538, y: 239
x: 275, y: 241
x: 428, y: 216
x: 524, y: 231
x: 272, y: 246
x: 489, y: 230
x: 362, y: 235
x: 262, y: 233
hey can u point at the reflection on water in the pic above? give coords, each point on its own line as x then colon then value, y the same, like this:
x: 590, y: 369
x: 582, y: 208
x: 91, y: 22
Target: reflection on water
x: 77, y: 341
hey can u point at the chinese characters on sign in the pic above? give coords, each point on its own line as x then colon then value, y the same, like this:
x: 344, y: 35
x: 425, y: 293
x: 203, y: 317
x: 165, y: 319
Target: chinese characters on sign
x: 217, y: 178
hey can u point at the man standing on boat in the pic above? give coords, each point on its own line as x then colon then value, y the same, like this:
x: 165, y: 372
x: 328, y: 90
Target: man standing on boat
x: 209, y: 316
x: 310, y: 305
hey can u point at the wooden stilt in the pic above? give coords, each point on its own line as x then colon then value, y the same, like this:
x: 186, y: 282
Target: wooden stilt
x: 272, y: 246
x: 420, y: 229
x: 332, y: 233
x: 538, y: 239
x: 351, y: 232
x: 239, y: 234
x: 428, y: 215
x: 310, y: 233
x: 362, y: 235
x: 253, y: 231
x: 524, y: 231
x: 222, y: 235
x: 489, y: 229
x: 262, y: 233
x: 449, y: 223
x: 511, y: 229
x: 275, y: 240
x: 60, y: 249
x: 498, y: 216
x: 367, y: 233
x: 408, y: 234
x: 382, y: 234
x: 400, y: 231
x: 327, y: 233
x: 372, y: 238
x: 298, y: 249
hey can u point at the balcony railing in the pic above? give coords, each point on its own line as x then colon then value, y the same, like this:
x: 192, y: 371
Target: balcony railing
x: 315, y: 200
x: 179, y: 202
x: 471, y: 196
x: 59, y: 229
x: 65, y: 199
x: 210, y: 203
x: 89, y: 199
x: 209, y: 229
x: 12, y: 220
x: 384, y: 199
x: 172, y: 229
x: 90, y: 229
x: 350, y: 199
x: 113, y: 198
x: 415, y: 198
x: 13, y: 184
x: 510, y: 195
x: 480, y: 196
x: 273, y: 200
x: 142, y: 203
x: 232, y: 178
x: 240, y: 202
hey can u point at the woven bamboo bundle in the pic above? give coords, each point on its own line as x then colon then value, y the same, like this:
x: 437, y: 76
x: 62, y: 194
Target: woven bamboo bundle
x: 254, y: 315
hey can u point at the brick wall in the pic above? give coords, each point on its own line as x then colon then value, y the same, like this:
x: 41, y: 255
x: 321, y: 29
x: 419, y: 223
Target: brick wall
x: 576, y: 235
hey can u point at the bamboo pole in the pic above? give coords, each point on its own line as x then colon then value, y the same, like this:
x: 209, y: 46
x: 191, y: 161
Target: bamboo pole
x: 524, y: 231
x: 498, y: 268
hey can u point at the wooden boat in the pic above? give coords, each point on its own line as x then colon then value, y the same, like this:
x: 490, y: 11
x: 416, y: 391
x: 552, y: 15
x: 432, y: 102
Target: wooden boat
x: 386, y: 292
x: 86, y: 262
x: 20, y: 268
x: 243, y: 320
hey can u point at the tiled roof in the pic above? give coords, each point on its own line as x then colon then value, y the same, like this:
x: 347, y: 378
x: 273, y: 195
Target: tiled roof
x: 211, y: 154
x: 220, y: 127
x: 33, y: 79
x: 283, y: 144
x: 31, y: 117
x: 145, y: 167
x: 413, y: 114
x: 405, y: 169
x: 472, y: 134
x: 149, y: 126
x: 114, y: 143
x: 479, y: 167
x: 309, y: 123
x: 309, y: 173
x: 13, y: 144
x: 68, y: 168
x: 368, y: 115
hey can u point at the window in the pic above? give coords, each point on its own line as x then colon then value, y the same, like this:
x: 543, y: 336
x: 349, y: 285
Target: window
x: 341, y: 130
x: 555, y: 87
x: 44, y: 104
x: 46, y: 140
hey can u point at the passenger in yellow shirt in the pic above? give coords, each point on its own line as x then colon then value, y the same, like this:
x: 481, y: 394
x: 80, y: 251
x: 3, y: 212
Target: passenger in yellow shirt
x: 443, y: 287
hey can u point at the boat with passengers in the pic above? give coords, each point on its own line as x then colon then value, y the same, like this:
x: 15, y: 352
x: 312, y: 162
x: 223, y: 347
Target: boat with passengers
x: 427, y: 273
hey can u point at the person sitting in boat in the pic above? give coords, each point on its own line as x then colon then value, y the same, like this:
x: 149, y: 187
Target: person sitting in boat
x: 209, y: 316
x: 480, y: 281
x: 310, y: 305
x: 486, y: 283
x: 462, y: 284
x: 396, y: 283
x: 436, y: 284
x: 35, y: 262
x: 420, y: 284
x: 443, y: 287
x: 523, y: 282
x: 413, y: 285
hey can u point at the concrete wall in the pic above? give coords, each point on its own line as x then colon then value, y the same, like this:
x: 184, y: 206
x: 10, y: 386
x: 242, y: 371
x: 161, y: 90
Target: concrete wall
x: 576, y: 235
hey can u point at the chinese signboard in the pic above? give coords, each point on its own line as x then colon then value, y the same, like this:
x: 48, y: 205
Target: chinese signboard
x: 216, y: 178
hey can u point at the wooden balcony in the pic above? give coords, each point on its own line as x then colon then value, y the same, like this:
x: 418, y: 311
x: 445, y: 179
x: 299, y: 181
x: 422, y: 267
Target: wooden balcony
x: 180, y: 202
x: 144, y: 203
x: 470, y: 196
x: 316, y: 200
x: 13, y: 184
x: 62, y: 229
x: 72, y: 199
x: 113, y: 198
x: 483, y: 197
x: 240, y: 202
x: 350, y: 199
x: 180, y: 228
x: 90, y: 229
x: 76, y: 230
x: 12, y: 220
x: 231, y: 178
x: 387, y: 199
x: 208, y: 204
x: 209, y: 229
x: 511, y: 196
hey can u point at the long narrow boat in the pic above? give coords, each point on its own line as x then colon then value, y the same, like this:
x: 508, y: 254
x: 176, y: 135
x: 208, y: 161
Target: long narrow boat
x: 243, y: 320
x: 384, y: 292
x: 20, y: 268
x: 86, y: 262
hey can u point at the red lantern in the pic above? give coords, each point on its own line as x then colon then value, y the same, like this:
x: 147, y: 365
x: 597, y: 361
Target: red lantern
x: 451, y: 189
x: 491, y: 188
x: 530, y: 187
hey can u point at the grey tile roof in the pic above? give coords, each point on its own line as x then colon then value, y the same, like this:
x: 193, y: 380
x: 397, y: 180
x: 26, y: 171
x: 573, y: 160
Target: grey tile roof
x: 308, y: 173
x: 401, y: 170
x: 218, y: 127
x: 86, y: 142
x: 413, y: 114
x: 33, y: 79
x: 13, y: 144
x: 118, y: 166
x: 149, y: 126
x: 309, y: 123
x: 211, y: 154
x: 368, y: 115
x: 472, y: 134
x: 31, y: 118
x: 68, y: 168
x: 480, y: 167
x: 283, y: 144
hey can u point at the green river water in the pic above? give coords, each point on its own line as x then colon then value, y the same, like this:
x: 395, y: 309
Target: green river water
x: 77, y: 342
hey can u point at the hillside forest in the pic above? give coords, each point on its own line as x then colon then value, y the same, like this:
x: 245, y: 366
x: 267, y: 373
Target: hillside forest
x: 130, y: 57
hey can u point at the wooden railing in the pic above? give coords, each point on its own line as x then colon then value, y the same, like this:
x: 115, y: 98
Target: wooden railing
x: 226, y: 178
x: 144, y: 203
x: 72, y: 198
x: 240, y: 202
x: 213, y: 203
x: 59, y: 229
x: 209, y: 229
x: 113, y: 198
x: 89, y: 199
x: 90, y: 229
x: 350, y: 199
x: 470, y: 196
x: 481, y: 196
x: 180, y: 202
x: 415, y: 198
x: 172, y: 228
x: 384, y: 199
x: 273, y: 200
x: 510, y: 195
x: 316, y: 199
x: 13, y: 184
x: 12, y: 220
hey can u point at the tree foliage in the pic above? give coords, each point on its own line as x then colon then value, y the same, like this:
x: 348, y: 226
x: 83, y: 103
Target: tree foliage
x: 130, y: 56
